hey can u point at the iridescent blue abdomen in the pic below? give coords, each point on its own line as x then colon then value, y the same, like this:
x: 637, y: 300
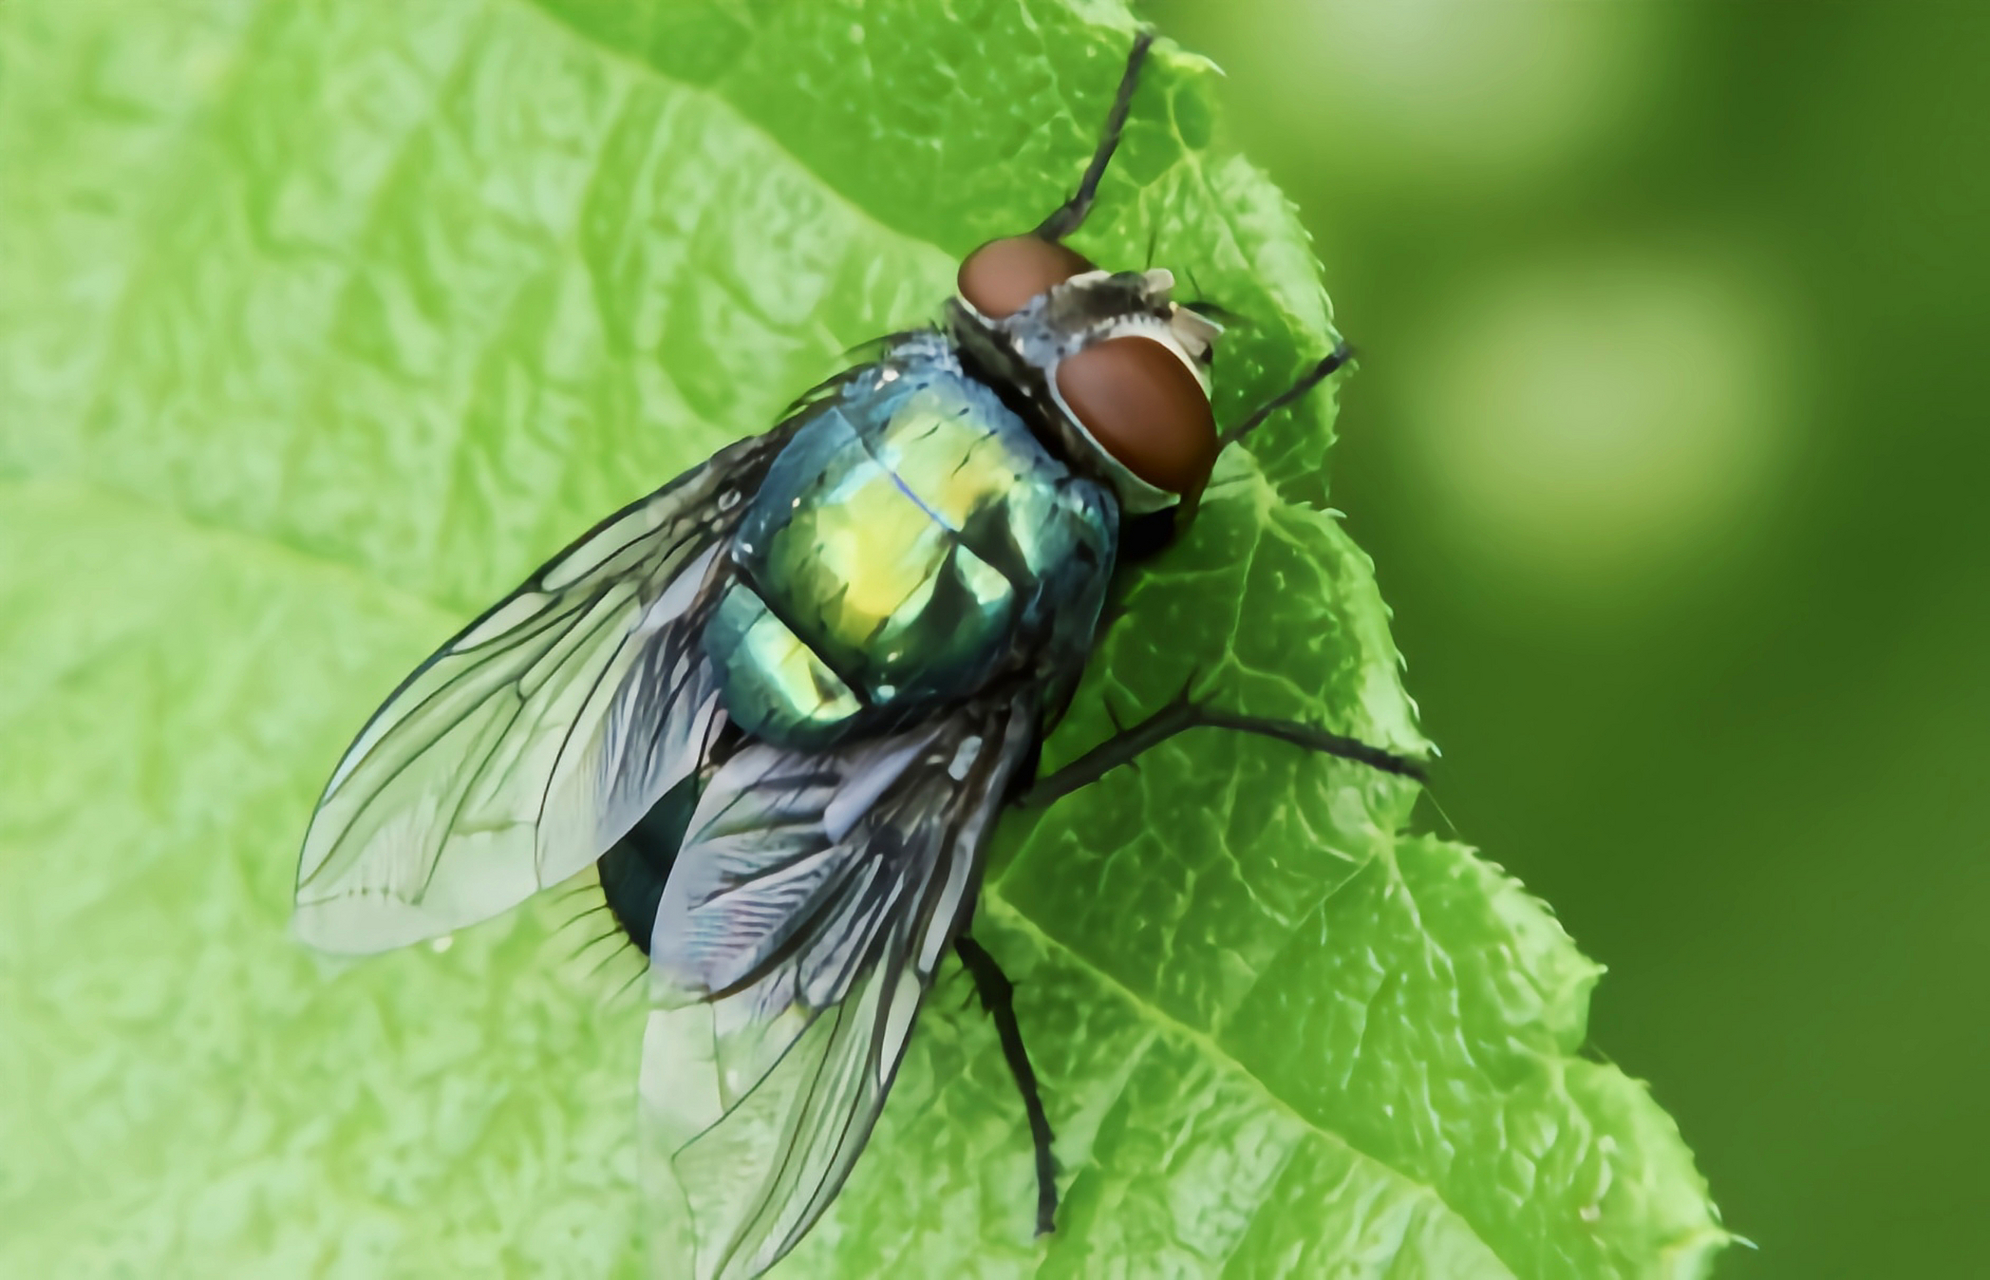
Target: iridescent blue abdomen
x: 912, y: 543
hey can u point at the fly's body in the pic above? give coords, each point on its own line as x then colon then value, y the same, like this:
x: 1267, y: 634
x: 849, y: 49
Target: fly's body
x: 779, y: 704
x: 912, y: 545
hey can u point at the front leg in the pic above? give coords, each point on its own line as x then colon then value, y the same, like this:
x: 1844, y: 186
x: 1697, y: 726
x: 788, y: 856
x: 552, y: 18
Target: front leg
x: 1187, y: 712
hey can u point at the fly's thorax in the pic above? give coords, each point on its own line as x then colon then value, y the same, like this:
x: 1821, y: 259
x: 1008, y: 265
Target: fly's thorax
x: 913, y: 542
x: 1135, y: 414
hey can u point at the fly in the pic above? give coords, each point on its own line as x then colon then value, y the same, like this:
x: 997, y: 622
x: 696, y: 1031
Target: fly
x: 781, y: 701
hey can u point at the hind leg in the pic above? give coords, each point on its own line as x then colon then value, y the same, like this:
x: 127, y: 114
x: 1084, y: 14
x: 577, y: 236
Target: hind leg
x: 998, y: 997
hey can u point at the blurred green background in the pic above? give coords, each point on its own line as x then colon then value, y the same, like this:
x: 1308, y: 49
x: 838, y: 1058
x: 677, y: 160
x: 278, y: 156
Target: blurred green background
x: 1669, y: 443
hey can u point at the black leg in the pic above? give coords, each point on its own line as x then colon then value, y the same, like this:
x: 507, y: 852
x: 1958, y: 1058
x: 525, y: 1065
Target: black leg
x: 1071, y: 214
x: 1313, y: 377
x: 998, y: 997
x: 1185, y: 712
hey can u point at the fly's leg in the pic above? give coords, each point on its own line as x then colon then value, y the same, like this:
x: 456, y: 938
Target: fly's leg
x: 998, y: 997
x: 1187, y: 712
x: 1148, y: 535
x: 1071, y: 214
x: 1313, y: 377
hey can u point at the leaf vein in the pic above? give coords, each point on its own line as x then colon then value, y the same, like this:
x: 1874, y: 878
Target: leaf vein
x: 1215, y: 1053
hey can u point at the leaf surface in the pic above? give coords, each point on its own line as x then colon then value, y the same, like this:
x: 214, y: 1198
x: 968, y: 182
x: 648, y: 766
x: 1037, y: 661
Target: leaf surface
x: 323, y: 324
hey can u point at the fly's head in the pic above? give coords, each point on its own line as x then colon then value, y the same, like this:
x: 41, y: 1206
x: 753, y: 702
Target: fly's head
x: 1117, y: 373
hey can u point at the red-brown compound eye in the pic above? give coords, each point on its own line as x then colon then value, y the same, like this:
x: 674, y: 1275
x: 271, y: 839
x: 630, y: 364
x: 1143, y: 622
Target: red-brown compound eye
x: 1141, y: 403
x: 1001, y: 277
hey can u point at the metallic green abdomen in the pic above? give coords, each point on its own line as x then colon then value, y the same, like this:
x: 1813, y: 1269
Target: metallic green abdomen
x: 912, y: 542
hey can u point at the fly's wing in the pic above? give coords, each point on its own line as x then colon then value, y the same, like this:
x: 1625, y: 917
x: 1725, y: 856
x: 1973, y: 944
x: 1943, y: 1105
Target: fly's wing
x: 533, y: 740
x: 798, y: 934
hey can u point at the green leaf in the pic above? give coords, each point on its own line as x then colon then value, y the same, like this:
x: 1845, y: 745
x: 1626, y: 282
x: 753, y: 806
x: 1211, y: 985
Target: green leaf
x: 322, y: 324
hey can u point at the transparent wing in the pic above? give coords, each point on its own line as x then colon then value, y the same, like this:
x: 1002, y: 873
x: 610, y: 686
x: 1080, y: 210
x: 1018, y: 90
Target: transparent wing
x: 537, y: 737
x: 798, y: 934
